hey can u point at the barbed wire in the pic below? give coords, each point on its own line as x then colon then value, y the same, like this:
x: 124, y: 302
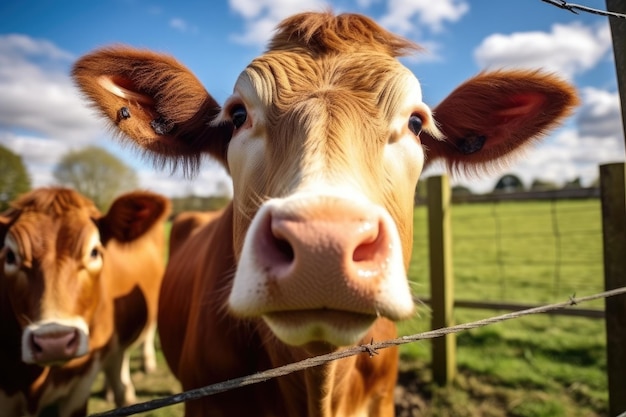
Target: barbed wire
x: 572, y: 7
x: 370, y: 349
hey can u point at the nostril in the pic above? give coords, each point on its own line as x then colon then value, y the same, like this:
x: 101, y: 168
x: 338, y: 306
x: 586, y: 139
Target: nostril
x: 73, y: 342
x: 370, y: 246
x: 283, y: 249
x: 63, y: 341
x: 274, y: 247
x: 364, y: 252
x: 34, y: 345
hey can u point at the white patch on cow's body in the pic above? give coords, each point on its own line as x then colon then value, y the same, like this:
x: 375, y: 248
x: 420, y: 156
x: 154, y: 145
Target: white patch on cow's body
x: 51, y: 326
x: 148, y: 351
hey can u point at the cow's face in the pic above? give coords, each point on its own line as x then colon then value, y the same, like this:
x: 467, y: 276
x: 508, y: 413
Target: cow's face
x: 51, y: 271
x: 54, y: 270
x: 325, y: 137
x: 325, y: 157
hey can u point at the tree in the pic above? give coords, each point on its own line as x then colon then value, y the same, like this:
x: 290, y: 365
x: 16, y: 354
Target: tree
x: 575, y: 183
x: 541, y: 185
x: 461, y: 191
x: 97, y: 174
x: 14, y: 179
x: 509, y: 183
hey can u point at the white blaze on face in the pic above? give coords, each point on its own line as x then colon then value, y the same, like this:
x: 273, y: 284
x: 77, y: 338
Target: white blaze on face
x: 324, y: 261
x: 61, y: 335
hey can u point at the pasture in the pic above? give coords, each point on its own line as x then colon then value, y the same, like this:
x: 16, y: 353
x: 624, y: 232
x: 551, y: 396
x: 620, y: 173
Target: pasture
x: 526, y: 252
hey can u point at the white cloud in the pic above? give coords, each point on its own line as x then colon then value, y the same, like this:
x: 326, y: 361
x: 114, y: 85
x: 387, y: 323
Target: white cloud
x: 42, y: 117
x: 16, y: 45
x: 262, y: 16
x: 568, y: 49
x: 211, y: 180
x: 182, y: 25
x: 404, y: 15
x: 38, y: 154
x: 600, y: 115
x: 36, y: 93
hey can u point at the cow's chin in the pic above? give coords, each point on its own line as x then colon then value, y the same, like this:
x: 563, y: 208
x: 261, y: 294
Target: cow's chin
x: 319, y: 330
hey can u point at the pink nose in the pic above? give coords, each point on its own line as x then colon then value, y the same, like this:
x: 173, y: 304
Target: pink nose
x: 331, y: 255
x: 58, y: 346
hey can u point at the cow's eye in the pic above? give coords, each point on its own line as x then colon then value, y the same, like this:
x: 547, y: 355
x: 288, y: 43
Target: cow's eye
x: 95, y: 252
x: 11, y: 261
x: 238, y: 115
x: 10, y: 258
x: 415, y: 124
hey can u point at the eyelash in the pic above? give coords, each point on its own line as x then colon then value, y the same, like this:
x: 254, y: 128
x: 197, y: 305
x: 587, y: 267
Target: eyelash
x: 415, y: 124
x: 238, y: 115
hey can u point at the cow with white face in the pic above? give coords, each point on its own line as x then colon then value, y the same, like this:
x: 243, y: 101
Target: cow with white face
x: 325, y: 137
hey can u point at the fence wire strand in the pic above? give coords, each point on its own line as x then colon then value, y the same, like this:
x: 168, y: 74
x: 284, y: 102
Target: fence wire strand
x: 557, y: 249
x: 572, y: 7
x: 558, y: 229
x: 370, y: 349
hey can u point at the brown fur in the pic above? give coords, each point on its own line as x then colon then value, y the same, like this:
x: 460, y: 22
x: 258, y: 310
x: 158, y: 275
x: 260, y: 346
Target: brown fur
x: 51, y: 226
x: 324, y: 33
x: 322, y: 100
x: 551, y: 100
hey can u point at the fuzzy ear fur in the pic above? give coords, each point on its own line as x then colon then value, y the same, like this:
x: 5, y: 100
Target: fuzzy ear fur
x: 133, y: 214
x: 491, y: 116
x: 155, y: 102
x: 159, y: 106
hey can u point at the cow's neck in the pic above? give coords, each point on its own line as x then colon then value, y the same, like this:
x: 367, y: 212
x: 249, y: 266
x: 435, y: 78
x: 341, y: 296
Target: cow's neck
x: 360, y: 385
x: 327, y: 386
x: 327, y: 390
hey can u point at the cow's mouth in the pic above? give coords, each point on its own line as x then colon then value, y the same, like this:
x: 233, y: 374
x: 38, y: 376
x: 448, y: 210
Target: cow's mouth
x: 335, y: 327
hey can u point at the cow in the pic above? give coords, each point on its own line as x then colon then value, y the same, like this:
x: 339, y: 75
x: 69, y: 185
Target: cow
x: 324, y: 137
x: 186, y: 223
x: 77, y: 289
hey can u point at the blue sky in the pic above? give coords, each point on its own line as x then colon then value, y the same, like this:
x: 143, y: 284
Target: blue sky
x: 42, y: 116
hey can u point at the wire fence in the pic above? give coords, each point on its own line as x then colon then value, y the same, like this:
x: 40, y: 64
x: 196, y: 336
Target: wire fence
x: 530, y: 251
x: 370, y: 349
x: 568, y: 251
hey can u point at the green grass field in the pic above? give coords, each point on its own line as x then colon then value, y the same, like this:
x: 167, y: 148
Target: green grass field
x: 529, y: 253
x: 525, y: 252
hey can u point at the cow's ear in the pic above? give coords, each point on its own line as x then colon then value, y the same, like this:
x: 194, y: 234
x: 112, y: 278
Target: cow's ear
x: 154, y: 102
x: 491, y: 116
x: 133, y: 214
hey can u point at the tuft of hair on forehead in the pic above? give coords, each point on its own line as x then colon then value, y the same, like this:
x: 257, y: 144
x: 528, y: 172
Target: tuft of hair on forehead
x: 54, y: 201
x: 322, y: 33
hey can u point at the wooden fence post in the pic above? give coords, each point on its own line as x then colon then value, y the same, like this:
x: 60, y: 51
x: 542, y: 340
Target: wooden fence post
x: 441, y: 278
x: 613, y: 197
x: 618, y: 35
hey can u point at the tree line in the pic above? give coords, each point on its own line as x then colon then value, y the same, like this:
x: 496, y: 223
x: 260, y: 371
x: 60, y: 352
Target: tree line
x: 92, y: 171
x: 101, y: 176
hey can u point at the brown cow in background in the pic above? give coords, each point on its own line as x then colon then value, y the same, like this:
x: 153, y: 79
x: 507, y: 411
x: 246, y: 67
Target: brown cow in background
x: 77, y: 289
x: 325, y: 137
